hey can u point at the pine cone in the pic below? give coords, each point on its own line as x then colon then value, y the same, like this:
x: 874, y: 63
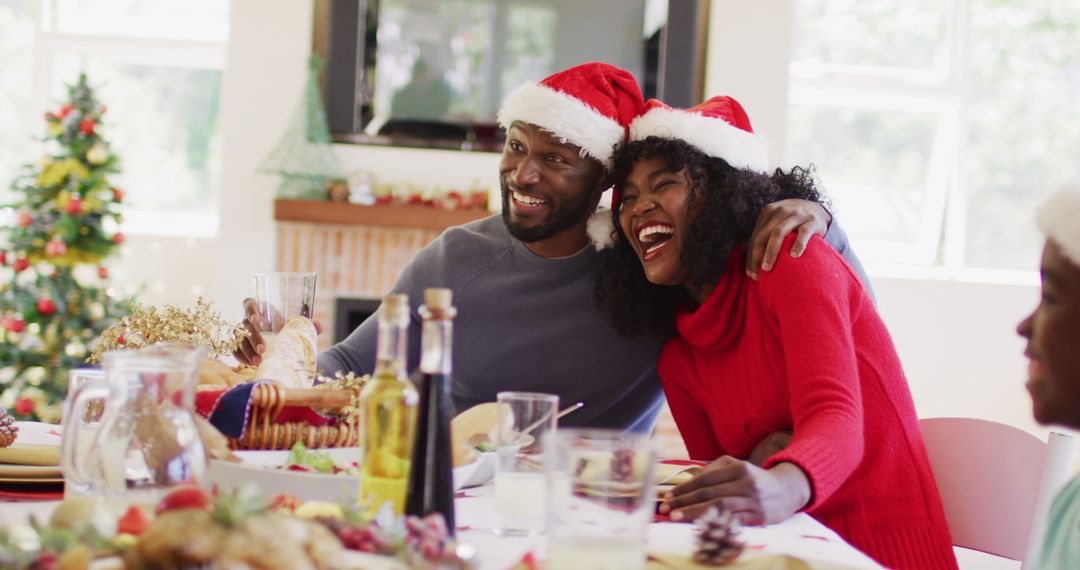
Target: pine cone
x: 718, y: 541
x: 8, y: 429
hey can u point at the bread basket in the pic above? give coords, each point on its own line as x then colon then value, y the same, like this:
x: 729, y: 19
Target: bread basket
x: 267, y: 402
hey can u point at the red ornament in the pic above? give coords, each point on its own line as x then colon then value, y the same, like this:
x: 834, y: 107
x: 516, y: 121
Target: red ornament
x: 74, y: 206
x: 46, y: 306
x: 15, y: 325
x: 55, y: 247
x: 121, y: 340
x: 103, y: 272
x: 117, y: 195
x: 20, y: 264
x: 24, y: 220
x: 118, y: 238
x: 3, y: 258
x: 65, y: 110
x: 86, y: 126
x: 24, y: 406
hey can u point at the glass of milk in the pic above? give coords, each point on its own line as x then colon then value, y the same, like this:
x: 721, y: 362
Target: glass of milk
x: 524, y: 420
x: 600, y: 499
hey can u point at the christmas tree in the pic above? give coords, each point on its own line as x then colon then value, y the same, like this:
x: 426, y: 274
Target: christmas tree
x: 55, y: 302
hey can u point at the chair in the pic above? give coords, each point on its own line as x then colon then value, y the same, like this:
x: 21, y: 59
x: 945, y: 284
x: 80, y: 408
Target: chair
x: 996, y: 483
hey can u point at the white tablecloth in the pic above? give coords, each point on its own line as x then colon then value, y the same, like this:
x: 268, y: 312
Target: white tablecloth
x: 801, y: 536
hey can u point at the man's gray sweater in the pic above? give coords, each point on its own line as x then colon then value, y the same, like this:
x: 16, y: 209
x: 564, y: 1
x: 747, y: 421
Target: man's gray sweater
x: 528, y: 323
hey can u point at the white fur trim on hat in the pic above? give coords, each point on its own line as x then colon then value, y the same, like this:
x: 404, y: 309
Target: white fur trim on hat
x: 566, y: 117
x: 601, y: 228
x: 1059, y: 217
x: 713, y: 136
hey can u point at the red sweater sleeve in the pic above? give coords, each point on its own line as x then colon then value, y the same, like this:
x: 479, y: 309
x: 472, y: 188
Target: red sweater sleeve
x: 691, y: 419
x: 815, y: 300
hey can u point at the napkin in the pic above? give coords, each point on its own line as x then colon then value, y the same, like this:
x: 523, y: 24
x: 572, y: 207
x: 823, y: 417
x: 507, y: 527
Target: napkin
x: 228, y: 410
x: 30, y: 468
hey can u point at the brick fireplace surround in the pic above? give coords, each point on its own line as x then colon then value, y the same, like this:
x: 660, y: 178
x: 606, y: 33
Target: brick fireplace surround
x: 358, y: 251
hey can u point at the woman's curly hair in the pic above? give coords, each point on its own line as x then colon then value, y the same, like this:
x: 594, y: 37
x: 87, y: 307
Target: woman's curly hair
x: 731, y: 200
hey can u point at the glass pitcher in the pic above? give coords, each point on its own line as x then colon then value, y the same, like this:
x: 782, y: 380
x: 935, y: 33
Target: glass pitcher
x: 148, y: 441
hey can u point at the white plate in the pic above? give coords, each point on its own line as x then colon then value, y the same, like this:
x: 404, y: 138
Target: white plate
x: 260, y: 468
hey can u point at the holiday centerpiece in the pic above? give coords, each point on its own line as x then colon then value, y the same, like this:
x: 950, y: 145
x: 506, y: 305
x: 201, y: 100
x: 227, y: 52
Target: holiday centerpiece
x: 55, y: 300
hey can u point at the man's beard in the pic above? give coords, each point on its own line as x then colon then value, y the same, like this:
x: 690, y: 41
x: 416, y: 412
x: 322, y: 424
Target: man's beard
x: 562, y: 215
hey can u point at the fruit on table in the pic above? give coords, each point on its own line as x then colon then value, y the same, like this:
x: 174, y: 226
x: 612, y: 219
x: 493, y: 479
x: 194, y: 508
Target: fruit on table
x: 133, y: 522
x: 188, y: 497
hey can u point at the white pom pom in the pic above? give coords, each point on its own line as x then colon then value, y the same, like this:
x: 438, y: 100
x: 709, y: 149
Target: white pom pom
x: 601, y: 229
x: 1059, y: 217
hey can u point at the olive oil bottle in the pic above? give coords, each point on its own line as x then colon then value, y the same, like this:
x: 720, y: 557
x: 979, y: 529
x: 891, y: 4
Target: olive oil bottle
x: 431, y: 484
x: 388, y: 402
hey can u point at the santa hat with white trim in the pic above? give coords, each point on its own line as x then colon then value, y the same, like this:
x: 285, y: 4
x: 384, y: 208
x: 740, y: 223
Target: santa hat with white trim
x: 1058, y: 218
x: 718, y: 127
x: 589, y: 105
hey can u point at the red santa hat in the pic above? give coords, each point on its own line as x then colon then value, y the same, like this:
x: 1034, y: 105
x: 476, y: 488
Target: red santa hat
x: 1058, y: 218
x: 718, y: 127
x: 589, y: 105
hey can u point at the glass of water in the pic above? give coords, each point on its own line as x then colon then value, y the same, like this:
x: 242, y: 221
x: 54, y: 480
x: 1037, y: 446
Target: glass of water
x: 601, y: 499
x: 524, y: 420
x: 280, y: 297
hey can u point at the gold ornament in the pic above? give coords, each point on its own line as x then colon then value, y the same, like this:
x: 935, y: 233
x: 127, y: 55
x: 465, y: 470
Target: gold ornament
x: 34, y: 375
x: 75, y: 349
x: 147, y: 325
x: 97, y: 154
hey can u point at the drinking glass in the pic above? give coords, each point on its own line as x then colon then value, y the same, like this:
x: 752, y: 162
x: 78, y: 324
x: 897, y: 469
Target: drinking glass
x: 600, y: 499
x: 524, y: 418
x: 87, y: 425
x: 280, y: 297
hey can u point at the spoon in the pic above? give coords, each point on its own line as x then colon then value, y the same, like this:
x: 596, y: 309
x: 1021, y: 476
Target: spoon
x: 545, y: 419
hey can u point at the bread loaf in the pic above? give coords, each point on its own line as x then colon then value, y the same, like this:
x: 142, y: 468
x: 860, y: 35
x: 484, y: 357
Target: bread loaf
x: 290, y: 358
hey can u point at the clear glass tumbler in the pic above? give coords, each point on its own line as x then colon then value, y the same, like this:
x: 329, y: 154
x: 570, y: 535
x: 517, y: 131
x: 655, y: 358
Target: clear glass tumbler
x: 601, y: 499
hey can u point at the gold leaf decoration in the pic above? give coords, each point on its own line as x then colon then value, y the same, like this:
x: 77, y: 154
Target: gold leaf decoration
x: 201, y: 326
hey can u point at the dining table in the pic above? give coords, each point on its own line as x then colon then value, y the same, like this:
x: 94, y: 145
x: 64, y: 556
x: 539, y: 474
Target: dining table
x: 798, y: 542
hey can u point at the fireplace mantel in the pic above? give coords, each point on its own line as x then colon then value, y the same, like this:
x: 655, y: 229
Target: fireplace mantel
x: 394, y: 216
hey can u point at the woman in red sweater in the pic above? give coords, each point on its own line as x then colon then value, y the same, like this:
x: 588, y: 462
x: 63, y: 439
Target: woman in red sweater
x: 800, y: 348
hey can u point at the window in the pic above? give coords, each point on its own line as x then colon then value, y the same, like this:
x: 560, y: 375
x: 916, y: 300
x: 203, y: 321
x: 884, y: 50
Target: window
x: 938, y: 127
x: 157, y: 64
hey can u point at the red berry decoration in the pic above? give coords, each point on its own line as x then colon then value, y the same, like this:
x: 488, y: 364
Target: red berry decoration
x: 121, y: 340
x: 46, y: 306
x: 24, y: 220
x: 24, y: 406
x: 86, y: 126
x: 118, y: 238
x: 65, y: 110
x: 117, y: 195
x: 55, y: 247
x: 20, y: 264
x: 103, y: 272
x: 16, y: 325
x: 3, y: 258
x: 74, y: 206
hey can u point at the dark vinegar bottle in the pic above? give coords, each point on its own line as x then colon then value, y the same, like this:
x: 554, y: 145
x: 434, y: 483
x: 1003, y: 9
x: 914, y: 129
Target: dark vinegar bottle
x: 431, y: 483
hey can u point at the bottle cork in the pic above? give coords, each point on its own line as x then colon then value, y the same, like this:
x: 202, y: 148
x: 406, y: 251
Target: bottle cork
x: 396, y: 306
x: 438, y: 298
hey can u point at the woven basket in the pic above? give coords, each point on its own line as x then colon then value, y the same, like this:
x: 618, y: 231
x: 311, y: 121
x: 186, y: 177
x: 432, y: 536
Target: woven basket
x: 267, y: 401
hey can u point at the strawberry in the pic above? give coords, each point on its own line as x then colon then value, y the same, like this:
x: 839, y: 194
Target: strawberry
x: 133, y: 522
x: 186, y: 497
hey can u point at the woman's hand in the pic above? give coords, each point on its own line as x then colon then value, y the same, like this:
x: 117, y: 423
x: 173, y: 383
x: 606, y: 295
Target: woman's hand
x: 775, y: 222
x: 773, y: 443
x: 760, y: 496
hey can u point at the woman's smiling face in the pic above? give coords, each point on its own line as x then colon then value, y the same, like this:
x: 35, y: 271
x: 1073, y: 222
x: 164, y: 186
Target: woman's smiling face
x: 655, y: 217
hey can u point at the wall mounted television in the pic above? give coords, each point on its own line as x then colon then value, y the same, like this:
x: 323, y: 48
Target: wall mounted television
x: 433, y: 73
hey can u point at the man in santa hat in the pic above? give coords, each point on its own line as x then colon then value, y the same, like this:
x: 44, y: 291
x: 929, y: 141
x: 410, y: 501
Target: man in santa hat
x: 523, y: 284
